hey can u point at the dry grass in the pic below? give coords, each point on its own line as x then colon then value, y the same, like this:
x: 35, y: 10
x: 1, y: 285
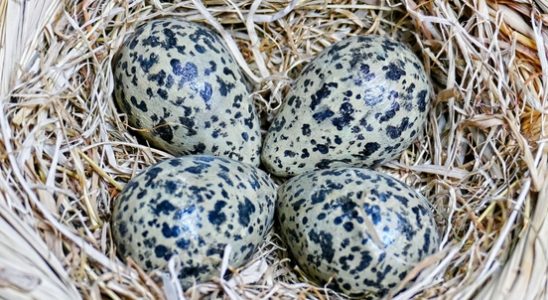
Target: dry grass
x: 65, y: 152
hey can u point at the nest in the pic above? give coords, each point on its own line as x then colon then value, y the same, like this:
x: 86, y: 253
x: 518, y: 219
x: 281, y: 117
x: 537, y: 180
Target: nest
x: 65, y: 151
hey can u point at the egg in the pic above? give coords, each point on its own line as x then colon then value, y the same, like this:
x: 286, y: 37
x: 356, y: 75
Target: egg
x: 360, y: 102
x: 182, y: 91
x: 193, y: 207
x: 362, y: 229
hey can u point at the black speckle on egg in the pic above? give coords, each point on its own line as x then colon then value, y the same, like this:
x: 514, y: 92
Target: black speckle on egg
x: 217, y: 216
x: 422, y: 100
x: 325, y: 241
x: 321, y: 94
x: 393, y: 72
x: 164, y: 131
x: 369, y: 149
x: 164, y: 207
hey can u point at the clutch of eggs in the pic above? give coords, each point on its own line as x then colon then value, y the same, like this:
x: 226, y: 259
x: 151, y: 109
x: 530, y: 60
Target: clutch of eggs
x: 193, y: 207
x: 183, y: 92
x: 360, y: 102
x: 362, y: 229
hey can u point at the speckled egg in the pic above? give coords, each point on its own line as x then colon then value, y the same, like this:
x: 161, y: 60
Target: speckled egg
x: 184, y: 93
x: 363, y: 229
x: 193, y: 207
x: 361, y: 102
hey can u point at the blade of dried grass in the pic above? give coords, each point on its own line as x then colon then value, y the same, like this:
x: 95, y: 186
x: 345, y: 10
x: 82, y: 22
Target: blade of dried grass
x: 509, y: 224
x: 526, y: 273
x: 20, y: 30
x: 254, y: 39
x: 433, y: 266
x: 260, y: 18
x: 543, y: 4
x: 28, y: 268
x: 100, y: 171
x: 228, y: 39
x: 452, y: 172
x: 514, y: 20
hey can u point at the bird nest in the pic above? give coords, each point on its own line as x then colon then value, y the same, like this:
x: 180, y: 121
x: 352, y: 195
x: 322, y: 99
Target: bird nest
x: 65, y: 151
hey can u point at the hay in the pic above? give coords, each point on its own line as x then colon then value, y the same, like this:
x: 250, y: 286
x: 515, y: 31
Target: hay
x: 65, y: 152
